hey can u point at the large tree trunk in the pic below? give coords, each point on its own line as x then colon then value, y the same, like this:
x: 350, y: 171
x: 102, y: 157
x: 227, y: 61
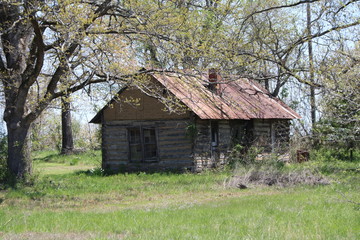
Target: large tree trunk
x: 67, y: 137
x: 16, y: 38
x: 19, y: 161
x: 23, y: 52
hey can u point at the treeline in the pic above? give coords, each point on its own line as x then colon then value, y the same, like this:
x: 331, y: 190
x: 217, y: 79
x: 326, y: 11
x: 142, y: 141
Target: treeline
x: 305, y: 52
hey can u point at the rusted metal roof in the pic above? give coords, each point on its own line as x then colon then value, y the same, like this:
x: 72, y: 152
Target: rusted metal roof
x: 236, y: 98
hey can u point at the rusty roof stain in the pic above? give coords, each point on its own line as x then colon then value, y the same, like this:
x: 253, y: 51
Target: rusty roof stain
x: 234, y: 98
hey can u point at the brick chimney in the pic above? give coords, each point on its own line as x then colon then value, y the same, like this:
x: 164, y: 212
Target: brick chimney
x: 214, y: 78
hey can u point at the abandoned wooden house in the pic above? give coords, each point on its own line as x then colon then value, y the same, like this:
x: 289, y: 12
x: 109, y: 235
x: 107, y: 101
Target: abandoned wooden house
x: 181, y: 121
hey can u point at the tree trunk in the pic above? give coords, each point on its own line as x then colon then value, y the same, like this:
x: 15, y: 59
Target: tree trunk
x: 67, y: 137
x: 19, y: 161
x: 311, y: 68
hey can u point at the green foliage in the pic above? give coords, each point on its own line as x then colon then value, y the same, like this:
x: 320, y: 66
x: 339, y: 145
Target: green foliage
x: 336, y: 132
x: 96, y: 171
x: 4, y: 174
x: 340, y: 102
x: 254, y: 167
x: 46, y: 133
x: 335, y: 153
x: 240, y: 156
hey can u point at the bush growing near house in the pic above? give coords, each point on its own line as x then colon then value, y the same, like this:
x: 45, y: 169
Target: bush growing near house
x: 270, y: 174
x: 253, y: 167
x: 335, y: 153
x: 96, y: 172
x: 242, y: 156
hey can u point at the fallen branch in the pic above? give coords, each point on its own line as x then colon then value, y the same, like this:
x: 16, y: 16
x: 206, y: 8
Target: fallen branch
x: 6, y: 223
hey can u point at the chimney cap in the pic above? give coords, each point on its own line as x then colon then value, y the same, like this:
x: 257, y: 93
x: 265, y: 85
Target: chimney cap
x: 214, y: 75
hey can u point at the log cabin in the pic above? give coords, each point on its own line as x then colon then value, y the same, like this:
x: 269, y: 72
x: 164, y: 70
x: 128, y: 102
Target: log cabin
x: 182, y: 121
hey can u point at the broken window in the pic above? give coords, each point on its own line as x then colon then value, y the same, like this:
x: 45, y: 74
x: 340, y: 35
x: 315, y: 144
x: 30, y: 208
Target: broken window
x: 135, y: 145
x: 214, y: 134
x: 142, y: 145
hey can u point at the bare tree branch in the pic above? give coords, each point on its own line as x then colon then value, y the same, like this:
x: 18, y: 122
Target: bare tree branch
x: 317, y: 35
x: 345, y: 5
x: 279, y: 7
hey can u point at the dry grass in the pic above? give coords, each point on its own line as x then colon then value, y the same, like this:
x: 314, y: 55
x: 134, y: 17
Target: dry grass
x: 272, y: 176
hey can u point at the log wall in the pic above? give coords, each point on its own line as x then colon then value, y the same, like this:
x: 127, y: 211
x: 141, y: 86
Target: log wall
x: 178, y: 150
x: 271, y: 134
x: 202, y: 146
x: 262, y: 134
x: 282, y: 135
x: 174, y: 146
x: 206, y: 155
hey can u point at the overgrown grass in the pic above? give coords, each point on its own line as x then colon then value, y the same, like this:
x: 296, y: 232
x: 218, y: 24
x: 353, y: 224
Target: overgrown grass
x: 83, y: 205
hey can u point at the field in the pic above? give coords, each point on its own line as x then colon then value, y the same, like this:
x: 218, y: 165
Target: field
x: 70, y: 199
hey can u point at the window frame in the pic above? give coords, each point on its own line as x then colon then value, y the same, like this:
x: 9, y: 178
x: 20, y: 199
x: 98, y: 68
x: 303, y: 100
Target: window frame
x: 143, y: 144
x: 214, y: 133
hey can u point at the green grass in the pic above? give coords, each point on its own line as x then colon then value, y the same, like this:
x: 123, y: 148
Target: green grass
x: 78, y: 204
x: 51, y: 162
x: 90, y: 157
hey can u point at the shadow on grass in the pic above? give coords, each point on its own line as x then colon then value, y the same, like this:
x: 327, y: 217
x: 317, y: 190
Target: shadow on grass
x: 10, y: 181
x: 101, y: 172
x: 48, y: 158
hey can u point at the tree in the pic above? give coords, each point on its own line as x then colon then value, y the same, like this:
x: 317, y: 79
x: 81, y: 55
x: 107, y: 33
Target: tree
x: 271, y: 39
x: 340, y: 105
x: 49, y: 40
x: 67, y: 145
x: 311, y: 66
x: 51, y: 48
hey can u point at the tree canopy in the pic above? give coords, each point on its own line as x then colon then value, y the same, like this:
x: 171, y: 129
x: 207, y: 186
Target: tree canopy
x: 51, y: 48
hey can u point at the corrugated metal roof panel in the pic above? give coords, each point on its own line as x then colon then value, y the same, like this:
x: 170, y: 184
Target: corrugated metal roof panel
x: 235, y: 99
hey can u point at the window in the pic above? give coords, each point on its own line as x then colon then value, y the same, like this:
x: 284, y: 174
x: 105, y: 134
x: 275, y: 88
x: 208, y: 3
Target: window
x: 214, y: 134
x: 142, y: 145
x: 135, y: 145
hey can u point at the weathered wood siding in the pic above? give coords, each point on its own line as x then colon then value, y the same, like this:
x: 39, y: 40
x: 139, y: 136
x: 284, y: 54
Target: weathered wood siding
x: 225, y: 142
x: 271, y: 135
x: 177, y: 150
x: 206, y: 155
x: 282, y: 135
x: 202, y: 145
x: 135, y: 105
x: 174, y: 145
x: 262, y: 134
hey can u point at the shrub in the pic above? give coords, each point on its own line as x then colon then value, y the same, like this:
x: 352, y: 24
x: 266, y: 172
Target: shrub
x: 335, y: 153
x: 271, y: 175
x: 242, y: 156
x: 253, y: 167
